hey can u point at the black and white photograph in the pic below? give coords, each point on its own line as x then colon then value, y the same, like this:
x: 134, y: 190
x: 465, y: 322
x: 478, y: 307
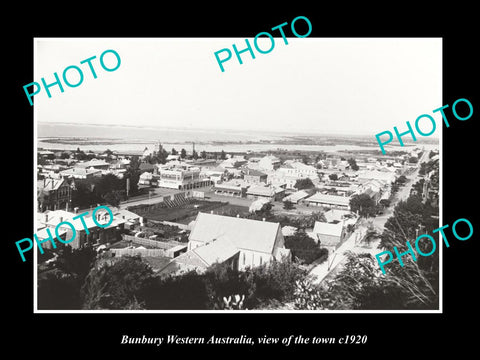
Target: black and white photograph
x: 258, y: 188
x: 293, y: 180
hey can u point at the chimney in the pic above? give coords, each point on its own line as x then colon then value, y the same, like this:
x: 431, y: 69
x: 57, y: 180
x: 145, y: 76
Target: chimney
x: 46, y: 218
x: 61, y: 218
x: 75, y: 209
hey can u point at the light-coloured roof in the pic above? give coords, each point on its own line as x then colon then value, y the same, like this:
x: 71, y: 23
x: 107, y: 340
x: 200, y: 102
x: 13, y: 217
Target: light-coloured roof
x: 216, y: 251
x: 235, y: 184
x: 263, y: 190
x: 92, y: 163
x: 185, y: 262
x: 298, y: 195
x: 79, y: 171
x: 299, y: 166
x: 258, y: 204
x: 125, y: 214
x: 323, y: 228
x: 375, y: 174
x: 242, y: 233
x: 288, y: 230
x: 330, y: 199
x: 335, y: 214
x: 43, y: 233
x: 271, y: 158
x: 57, y: 216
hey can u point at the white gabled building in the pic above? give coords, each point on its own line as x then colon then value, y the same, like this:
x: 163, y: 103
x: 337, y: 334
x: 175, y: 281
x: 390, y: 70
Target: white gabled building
x: 242, y: 243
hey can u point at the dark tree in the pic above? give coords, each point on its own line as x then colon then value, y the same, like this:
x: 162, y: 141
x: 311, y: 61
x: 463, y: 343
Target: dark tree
x: 174, y: 152
x: 288, y: 205
x: 304, y: 247
x: 107, y: 184
x: 183, y: 153
x: 364, y: 204
x: 203, y: 154
x: 401, y: 180
x: 117, y: 285
x: 160, y: 156
x: 133, y: 173
x: 304, y: 184
x: 353, y: 164
x: 333, y: 177
x: 58, y: 290
x: 223, y: 156
x: 385, y: 202
x: 195, y: 155
x: 360, y: 287
x: 114, y: 197
x: 181, y: 292
x: 76, y: 261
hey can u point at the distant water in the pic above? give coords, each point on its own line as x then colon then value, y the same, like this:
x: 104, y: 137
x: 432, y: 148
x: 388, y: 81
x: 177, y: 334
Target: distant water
x: 50, y: 130
x: 133, y: 139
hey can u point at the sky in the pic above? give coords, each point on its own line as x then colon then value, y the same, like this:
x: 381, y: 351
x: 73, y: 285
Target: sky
x: 312, y: 85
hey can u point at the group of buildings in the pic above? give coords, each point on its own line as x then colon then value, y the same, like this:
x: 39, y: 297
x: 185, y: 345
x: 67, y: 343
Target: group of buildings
x: 214, y: 238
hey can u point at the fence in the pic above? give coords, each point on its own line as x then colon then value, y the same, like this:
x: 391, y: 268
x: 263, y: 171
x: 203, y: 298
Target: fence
x: 149, y: 242
x: 180, y: 226
x: 141, y: 252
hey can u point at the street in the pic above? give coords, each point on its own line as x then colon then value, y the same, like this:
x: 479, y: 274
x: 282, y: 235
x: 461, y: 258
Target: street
x: 334, y: 263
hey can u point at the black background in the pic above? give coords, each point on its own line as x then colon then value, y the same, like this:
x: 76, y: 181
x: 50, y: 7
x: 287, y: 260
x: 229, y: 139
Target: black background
x: 66, y: 335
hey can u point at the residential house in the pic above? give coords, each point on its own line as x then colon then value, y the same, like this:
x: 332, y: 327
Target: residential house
x: 172, y: 157
x: 147, y: 178
x: 240, y: 242
x: 81, y: 173
x: 233, y: 165
x: 330, y: 201
x: 269, y: 192
x: 216, y: 174
x: 131, y: 219
x: 53, y: 194
x: 338, y: 215
x: 385, y: 176
x: 329, y: 236
x: 297, y: 196
x: 299, y: 169
x: 269, y: 162
x: 279, y: 178
x: 254, y: 177
x: 93, y: 164
x: 90, y: 233
x: 234, y: 187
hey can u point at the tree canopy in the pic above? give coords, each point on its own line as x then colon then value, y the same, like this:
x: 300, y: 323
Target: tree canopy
x: 364, y: 204
x: 117, y: 284
x: 306, y: 183
x: 360, y: 286
x: 304, y: 247
x: 353, y: 164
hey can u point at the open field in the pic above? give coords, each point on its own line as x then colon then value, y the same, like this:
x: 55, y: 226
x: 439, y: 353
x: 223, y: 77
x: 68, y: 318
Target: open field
x: 188, y: 212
